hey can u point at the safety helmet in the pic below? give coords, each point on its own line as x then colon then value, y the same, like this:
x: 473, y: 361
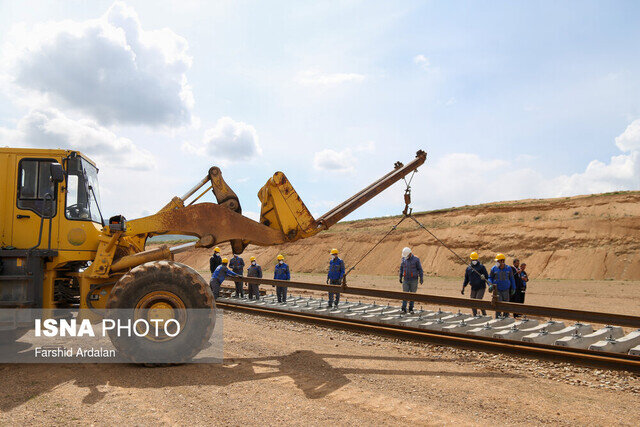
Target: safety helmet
x: 474, y: 255
x: 252, y: 258
x: 406, y: 252
x: 225, y: 261
x: 500, y: 257
x: 334, y: 251
x: 280, y: 257
x: 216, y: 250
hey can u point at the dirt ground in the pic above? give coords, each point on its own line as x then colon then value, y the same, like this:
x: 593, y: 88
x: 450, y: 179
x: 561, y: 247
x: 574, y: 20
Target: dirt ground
x: 280, y: 372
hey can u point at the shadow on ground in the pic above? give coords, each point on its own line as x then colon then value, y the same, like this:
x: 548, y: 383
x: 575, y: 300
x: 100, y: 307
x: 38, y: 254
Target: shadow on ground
x: 22, y: 382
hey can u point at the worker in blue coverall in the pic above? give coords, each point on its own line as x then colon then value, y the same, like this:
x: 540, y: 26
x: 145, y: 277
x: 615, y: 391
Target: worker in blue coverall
x: 215, y: 260
x: 476, y: 276
x: 237, y: 266
x: 335, y: 275
x: 218, y: 277
x: 254, y: 270
x: 410, y: 273
x: 281, y: 272
x: 501, y: 276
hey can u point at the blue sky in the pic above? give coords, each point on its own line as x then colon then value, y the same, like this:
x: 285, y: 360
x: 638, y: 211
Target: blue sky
x: 510, y: 99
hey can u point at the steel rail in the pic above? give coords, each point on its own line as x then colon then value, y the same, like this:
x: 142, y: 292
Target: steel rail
x: 563, y: 354
x: 493, y: 305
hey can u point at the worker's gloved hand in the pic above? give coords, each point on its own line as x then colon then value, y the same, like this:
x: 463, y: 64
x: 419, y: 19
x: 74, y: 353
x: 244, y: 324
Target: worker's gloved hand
x: 327, y: 281
x: 490, y: 288
x: 462, y: 291
x: 421, y: 281
x: 401, y: 280
x: 483, y: 277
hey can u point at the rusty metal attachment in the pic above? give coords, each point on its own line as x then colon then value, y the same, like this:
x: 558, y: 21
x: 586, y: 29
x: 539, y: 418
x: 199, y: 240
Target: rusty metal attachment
x: 224, y: 194
x: 283, y: 216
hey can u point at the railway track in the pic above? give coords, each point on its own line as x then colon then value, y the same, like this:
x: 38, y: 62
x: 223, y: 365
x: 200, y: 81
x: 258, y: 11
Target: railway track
x: 580, y: 356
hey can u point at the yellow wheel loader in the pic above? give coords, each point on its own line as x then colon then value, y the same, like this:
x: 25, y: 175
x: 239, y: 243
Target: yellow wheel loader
x: 57, y: 251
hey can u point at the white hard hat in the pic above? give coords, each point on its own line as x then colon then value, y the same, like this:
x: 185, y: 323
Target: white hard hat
x: 406, y: 252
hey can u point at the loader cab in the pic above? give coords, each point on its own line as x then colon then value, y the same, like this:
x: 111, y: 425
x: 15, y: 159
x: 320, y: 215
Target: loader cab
x: 59, y: 186
x: 50, y: 223
x: 82, y: 198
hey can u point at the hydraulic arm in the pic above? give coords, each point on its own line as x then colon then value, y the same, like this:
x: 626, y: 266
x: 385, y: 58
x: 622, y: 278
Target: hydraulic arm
x: 283, y: 215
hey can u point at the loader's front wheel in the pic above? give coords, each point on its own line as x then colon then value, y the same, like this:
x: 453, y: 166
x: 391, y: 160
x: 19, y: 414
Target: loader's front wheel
x: 171, y: 298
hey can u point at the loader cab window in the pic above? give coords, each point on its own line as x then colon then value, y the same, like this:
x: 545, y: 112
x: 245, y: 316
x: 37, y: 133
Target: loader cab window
x: 83, y: 193
x: 34, y: 185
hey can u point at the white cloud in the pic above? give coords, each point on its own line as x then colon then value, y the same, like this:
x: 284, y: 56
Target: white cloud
x: 228, y: 140
x: 341, y: 161
x: 630, y: 139
x: 422, y: 61
x: 315, y: 78
x: 52, y: 129
x: 464, y: 178
x: 252, y: 215
x: 621, y: 173
x: 334, y: 161
x: 108, y: 68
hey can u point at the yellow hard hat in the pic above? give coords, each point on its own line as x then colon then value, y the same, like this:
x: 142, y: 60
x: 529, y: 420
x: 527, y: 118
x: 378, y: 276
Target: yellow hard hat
x: 225, y: 261
x: 280, y: 257
x: 216, y: 249
x: 334, y: 251
x: 474, y: 255
x: 252, y: 258
x: 500, y: 257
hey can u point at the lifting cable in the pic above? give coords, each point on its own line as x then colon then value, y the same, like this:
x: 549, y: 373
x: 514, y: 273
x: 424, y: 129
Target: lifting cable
x: 462, y: 260
x: 436, y: 237
x: 374, y: 246
x: 407, y: 213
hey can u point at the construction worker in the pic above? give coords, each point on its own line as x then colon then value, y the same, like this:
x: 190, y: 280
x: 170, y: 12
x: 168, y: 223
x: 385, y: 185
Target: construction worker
x: 410, y: 273
x: 281, y: 272
x: 525, y: 278
x: 335, y: 275
x: 221, y: 272
x: 254, y: 270
x: 501, y: 277
x: 215, y: 260
x: 475, y: 275
x: 237, y: 266
x: 518, y: 296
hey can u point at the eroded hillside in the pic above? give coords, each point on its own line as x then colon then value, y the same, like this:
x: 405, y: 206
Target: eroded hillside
x: 583, y: 237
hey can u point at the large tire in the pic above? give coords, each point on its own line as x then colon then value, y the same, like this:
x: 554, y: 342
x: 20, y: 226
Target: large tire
x: 162, y: 284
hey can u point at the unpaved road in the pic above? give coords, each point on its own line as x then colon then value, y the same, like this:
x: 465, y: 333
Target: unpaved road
x: 279, y: 372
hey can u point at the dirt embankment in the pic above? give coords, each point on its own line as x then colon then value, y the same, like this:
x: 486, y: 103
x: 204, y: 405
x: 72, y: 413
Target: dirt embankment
x: 583, y: 237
